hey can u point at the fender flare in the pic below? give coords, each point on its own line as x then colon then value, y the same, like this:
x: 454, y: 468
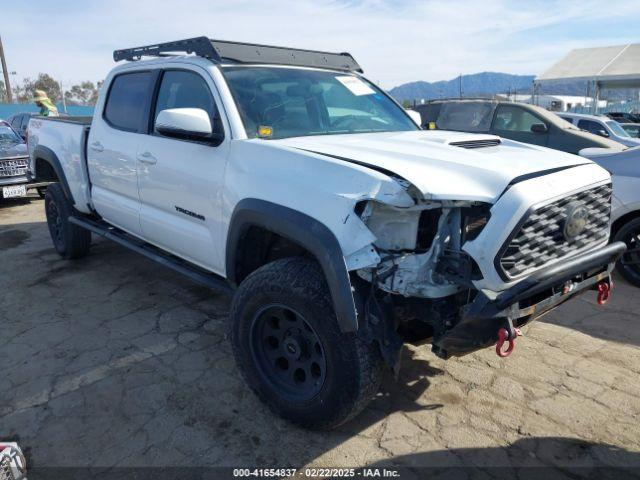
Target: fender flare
x: 307, y: 232
x: 49, y: 156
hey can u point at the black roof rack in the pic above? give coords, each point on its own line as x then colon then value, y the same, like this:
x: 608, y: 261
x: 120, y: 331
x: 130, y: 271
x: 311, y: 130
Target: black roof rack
x: 219, y: 50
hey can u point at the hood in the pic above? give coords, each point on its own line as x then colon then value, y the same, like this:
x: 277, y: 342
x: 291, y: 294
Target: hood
x: 630, y: 142
x: 439, y: 170
x: 8, y: 150
x: 626, y: 163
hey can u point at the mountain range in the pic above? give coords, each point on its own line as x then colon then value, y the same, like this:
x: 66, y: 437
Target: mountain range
x: 489, y: 83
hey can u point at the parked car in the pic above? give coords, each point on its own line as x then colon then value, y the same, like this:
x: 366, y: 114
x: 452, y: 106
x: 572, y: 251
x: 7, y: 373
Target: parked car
x: 343, y: 229
x: 625, y: 207
x: 14, y: 160
x: 516, y: 121
x: 624, y: 117
x: 601, y: 125
x: 633, y: 129
x: 20, y: 122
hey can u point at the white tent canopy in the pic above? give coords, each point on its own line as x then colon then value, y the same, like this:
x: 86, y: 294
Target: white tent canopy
x: 612, y: 67
x: 617, y: 66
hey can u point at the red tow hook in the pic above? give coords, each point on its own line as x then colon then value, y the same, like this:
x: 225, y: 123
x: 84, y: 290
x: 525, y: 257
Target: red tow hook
x: 503, y: 335
x: 604, y: 291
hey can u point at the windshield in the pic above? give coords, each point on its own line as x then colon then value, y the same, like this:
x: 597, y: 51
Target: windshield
x: 617, y: 129
x: 279, y: 102
x: 632, y: 130
x: 7, y: 135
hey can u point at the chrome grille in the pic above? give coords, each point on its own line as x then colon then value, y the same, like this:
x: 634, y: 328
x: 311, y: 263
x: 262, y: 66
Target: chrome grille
x: 540, y: 239
x: 13, y: 167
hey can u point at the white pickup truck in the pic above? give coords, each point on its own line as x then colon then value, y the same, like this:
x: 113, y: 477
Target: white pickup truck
x: 343, y: 229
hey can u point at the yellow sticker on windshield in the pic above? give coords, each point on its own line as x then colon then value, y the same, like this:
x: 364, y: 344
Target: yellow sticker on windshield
x: 265, y: 131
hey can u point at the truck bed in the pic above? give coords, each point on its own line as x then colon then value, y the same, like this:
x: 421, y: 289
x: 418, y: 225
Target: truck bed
x: 64, y: 139
x: 80, y: 120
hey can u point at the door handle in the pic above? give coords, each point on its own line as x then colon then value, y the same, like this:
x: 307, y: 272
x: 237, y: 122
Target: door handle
x: 96, y: 146
x: 147, y: 157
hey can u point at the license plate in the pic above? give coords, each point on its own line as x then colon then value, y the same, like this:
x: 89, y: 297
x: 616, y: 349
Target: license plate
x: 14, y: 191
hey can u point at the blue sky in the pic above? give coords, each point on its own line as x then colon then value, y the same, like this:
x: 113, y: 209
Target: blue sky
x: 396, y: 41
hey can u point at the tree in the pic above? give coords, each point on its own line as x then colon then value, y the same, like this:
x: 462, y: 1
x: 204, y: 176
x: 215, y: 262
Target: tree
x: 94, y: 98
x: 406, y: 104
x: 24, y: 93
x: 81, y: 94
x: 85, y: 93
x: 3, y: 92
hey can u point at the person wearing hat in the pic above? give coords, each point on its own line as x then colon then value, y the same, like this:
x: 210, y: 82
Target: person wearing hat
x: 47, y: 108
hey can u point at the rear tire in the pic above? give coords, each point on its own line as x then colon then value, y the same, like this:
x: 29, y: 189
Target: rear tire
x: 291, y: 352
x: 69, y: 240
x: 629, y: 264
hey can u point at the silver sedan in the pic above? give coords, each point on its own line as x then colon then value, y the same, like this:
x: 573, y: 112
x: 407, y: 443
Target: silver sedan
x: 625, y: 215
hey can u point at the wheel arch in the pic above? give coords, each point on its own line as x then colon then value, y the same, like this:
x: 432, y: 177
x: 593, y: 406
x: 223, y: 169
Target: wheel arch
x: 45, y: 156
x: 621, y: 221
x: 302, y: 230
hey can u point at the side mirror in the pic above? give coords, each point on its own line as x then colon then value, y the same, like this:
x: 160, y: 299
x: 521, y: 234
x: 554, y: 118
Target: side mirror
x: 539, y: 128
x: 415, y: 116
x: 603, y: 133
x: 186, y: 123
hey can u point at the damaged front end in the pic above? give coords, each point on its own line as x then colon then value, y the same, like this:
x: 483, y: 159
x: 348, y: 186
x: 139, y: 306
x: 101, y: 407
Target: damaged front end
x: 422, y: 286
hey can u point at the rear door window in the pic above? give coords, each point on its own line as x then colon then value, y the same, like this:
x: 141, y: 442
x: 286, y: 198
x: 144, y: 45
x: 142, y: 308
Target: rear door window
x: 515, y: 119
x: 127, y: 104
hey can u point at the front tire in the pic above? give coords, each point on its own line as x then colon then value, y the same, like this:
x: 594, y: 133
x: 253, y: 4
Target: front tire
x: 629, y: 264
x: 69, y: 240
x: 291, y: 352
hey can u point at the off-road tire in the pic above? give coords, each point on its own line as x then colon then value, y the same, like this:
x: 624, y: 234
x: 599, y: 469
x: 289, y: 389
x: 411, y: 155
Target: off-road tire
x: 353, y: 367
x: 629, y: 233
x: 69, y: 240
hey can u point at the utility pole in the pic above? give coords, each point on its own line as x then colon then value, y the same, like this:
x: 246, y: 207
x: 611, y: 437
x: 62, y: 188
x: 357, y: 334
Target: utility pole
x: 64, y: 103
x: 460, y: 86
x: 6, y: 74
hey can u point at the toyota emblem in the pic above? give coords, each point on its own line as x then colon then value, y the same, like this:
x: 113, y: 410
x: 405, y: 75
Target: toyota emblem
x: 576, y: 219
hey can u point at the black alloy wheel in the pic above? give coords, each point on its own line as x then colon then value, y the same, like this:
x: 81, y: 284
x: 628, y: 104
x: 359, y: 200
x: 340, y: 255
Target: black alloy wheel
x: 629, y: 263
x: 69, y: 240
x: 288, y: 352
x: 56, y: 227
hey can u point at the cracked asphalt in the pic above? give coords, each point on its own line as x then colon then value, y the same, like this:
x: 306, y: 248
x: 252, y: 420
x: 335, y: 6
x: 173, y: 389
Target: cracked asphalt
x: 113, y: 360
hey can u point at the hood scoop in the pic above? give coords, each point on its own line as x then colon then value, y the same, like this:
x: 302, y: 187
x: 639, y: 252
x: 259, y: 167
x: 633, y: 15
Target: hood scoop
x: 477, y: 142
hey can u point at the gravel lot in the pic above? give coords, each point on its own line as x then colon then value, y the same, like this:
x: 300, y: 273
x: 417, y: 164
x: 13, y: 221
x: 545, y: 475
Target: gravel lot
x: 115, y: 361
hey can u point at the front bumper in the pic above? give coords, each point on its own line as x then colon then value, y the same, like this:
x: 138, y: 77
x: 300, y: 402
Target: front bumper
x: 526, y: 301
x: 21, y: 180
x: 11, y: 181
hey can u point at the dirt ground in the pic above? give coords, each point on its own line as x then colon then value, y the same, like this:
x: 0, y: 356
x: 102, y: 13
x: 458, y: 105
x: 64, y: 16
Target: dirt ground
x: 113, y: 360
